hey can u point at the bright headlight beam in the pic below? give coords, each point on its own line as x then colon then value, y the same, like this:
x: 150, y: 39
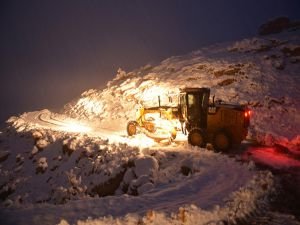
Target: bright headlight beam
x: 75, y: 127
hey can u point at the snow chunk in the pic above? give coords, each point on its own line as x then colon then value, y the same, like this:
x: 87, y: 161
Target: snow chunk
x: 4, y: 155
x: 145, y: 188
x: 141, y: 185
x: 42, y: 165
x: 60, y: 195
x: 34, y: 150
x: 128, y: 176
x: 146, y: 165
x: 41, y: 143
x: 73, y: 180
x: 142, y: 180
x: 70, y: 144
x: 37, y: 135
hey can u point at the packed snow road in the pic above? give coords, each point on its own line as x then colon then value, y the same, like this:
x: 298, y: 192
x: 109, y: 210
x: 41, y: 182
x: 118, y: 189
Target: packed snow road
x: 48, y: 120
x: 115, y: 131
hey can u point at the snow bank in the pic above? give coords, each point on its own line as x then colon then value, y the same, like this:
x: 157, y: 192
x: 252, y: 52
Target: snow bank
x: 68, y: 168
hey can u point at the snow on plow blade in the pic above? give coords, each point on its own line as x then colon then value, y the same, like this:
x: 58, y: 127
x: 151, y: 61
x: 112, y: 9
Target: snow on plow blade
x: 158, y: 135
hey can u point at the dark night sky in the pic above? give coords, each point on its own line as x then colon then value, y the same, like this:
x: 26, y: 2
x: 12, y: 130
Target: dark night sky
x: 51, y: 51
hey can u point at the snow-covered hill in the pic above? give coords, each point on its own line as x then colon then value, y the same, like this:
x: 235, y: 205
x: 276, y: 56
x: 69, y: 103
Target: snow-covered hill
x: 261, y: 71
x: 79, y: 164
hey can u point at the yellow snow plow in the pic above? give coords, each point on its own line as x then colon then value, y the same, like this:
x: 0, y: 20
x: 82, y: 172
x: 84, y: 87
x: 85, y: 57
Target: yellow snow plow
x: 158, y: 123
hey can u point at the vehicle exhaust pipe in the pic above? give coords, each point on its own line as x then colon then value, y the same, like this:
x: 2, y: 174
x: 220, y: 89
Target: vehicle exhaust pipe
x: 158, y: 101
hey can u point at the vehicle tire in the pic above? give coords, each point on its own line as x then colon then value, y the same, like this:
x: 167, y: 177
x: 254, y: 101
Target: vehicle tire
x: 131, y: 128
x: 222, y: 141
x: 196, y: 137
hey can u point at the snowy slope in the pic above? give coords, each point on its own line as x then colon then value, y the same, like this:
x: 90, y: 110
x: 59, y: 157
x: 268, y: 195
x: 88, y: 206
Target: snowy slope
x: 80, y: 164
x: 263, y: 72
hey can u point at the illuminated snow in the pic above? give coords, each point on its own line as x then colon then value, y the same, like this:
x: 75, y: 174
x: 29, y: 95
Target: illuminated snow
x: 90, y: 105
x: 88, y: 144
x: 75, y: 127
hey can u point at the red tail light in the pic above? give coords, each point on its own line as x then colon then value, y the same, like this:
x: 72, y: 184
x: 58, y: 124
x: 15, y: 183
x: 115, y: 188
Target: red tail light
x: 247, y: 115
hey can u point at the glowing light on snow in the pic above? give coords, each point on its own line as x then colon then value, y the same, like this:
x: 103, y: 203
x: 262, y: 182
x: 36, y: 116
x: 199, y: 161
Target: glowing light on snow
x: 91, y: 105
x: 142, y: 141
x: 152, y: 93
x: 163, y: 127
x: 167, y: 94
x: 273, y: 157
x: 166, y: 124
x: 73, y: 126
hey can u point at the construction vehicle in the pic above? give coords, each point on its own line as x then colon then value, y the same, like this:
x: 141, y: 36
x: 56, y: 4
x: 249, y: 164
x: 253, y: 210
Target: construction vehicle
x: 223, y: 125
x: 156, y: 122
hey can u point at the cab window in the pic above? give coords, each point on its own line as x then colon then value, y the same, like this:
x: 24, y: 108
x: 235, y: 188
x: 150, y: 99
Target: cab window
x: 193, y: 106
